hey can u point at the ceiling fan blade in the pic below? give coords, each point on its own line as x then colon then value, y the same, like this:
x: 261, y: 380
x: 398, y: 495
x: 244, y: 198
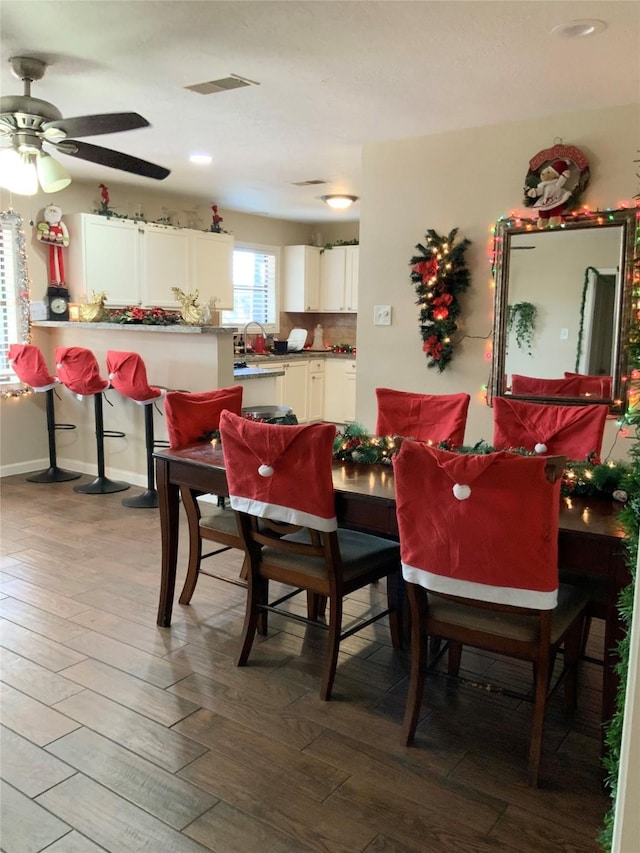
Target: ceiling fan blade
x: 96, y: 124
x: 113, y: 159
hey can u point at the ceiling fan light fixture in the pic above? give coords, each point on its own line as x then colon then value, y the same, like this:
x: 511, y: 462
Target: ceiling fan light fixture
x: 18, y: 172
x: 52, y: 174
x: 339, y: 201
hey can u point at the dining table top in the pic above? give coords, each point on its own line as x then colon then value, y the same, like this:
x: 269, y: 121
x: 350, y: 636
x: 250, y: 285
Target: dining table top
x: 375, y: 482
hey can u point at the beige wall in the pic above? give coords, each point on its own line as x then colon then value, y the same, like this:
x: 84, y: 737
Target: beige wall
x: 465, y: 179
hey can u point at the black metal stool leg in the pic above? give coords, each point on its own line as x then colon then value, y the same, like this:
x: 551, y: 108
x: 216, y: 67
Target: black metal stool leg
x: 101, y: 485
x: 149, y: 498
x: 53, y: 474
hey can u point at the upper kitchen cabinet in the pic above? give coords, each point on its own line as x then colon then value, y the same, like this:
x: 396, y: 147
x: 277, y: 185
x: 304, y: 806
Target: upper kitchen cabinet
x: 138, y: 263
x: 103, y: 256
x: 301, y: 290
x: 339, y: 269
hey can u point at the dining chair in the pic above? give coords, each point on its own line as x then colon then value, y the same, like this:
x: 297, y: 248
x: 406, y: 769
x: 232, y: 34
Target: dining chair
x: 433, y: 418
x: 548, y: 428
x: 281, y: 487
x: 567, y: 386
x: 192, y: 417
x: 477, y: 575
x: 592, y: 386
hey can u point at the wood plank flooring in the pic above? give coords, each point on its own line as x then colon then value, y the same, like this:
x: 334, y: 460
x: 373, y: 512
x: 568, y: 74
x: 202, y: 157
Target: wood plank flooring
x: 118, y: 735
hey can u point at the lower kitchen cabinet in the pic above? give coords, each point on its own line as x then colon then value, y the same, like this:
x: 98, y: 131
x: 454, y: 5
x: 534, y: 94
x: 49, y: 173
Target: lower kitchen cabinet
x: 315, y: 396
x: 340, y: 390
x: 292, y: 387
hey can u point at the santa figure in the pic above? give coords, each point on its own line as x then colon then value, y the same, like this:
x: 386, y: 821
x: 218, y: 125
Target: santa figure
x: 54, y: 232
x: 551, y: 193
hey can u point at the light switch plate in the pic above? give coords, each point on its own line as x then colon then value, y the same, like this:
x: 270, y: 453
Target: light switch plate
x: 382, y: 315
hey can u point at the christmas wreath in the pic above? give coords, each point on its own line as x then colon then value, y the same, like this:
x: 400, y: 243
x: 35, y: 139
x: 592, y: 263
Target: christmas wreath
x: 439, y: 274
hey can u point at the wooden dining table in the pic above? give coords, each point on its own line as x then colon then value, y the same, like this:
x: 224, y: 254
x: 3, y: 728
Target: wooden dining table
x: 590, y: 542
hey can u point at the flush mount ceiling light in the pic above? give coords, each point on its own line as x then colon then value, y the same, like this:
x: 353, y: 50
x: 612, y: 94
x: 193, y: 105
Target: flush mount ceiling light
x: 579, y: 28
x: 339, y: 201
x: 200, y: 159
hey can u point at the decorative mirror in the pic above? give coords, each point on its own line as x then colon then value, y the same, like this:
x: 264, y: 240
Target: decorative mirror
x: 563, y: 308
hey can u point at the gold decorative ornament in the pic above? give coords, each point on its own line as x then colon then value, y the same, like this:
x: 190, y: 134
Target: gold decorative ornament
x: 93, y: 312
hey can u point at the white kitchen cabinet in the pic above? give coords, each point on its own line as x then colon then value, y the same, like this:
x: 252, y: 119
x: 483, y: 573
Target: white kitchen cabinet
x: 164, y: 264
x: 315, y: 397
x: 301, y: 290
x: 291, y: 389
x: 340, y: 390
x: 138, y: 263
x: 103, y: 255
x: 339, y: 269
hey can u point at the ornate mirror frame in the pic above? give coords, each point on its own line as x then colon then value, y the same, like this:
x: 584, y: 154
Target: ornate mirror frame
x: 627, y: 223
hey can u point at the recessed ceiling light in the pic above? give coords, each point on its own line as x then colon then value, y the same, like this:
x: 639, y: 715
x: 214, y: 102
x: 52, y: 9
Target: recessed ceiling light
x: 579, y: 28
x: 200, y: 159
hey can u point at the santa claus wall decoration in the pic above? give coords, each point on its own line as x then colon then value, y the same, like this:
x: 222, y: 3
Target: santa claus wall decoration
x: 556, y: 179
x: 54, y: 232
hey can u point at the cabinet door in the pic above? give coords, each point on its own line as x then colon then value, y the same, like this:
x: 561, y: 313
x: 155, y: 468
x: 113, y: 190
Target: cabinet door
x: 316, y: 390
x: 352, y: 264
x: 334, y: 390
x: 212, y: 268
x: 165, y: 264
x: 301, y: 290
x: 294, y: 392
x: 103, y: 256
x: 349, y: 411
x: 332, y: 279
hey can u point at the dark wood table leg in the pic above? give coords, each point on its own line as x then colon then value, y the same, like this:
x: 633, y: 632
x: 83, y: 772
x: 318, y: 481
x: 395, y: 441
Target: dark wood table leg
x: 169, y: 505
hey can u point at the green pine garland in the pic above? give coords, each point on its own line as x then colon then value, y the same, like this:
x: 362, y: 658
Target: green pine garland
x: 439, y: 274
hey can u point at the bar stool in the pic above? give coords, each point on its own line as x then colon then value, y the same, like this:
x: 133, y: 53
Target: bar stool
x: 30, y: 367
x: 78, y: 370
x: 128, y: 375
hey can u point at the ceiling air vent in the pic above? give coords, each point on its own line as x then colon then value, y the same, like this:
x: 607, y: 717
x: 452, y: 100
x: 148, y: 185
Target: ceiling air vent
x: 311, y: 183
x: 233, y: 81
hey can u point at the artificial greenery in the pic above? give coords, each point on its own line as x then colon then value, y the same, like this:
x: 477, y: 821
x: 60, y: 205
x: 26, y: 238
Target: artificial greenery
x: 439, y: 274
x: 134, y: 315
x: 521, y: 319
x: 326, y: 246
x: 586, y: 478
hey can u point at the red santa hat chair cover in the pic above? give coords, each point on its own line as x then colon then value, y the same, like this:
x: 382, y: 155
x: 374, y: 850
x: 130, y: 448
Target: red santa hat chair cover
x: 280, y: 480
x: 190, y: 417
x: 568, y: 386
x: 79, y: 371
x: 128, y: 375
x: 572, y: 431
x: 27, y: 362
x: 433, y: 418
x: 592, y: 386
x: 480, y: 562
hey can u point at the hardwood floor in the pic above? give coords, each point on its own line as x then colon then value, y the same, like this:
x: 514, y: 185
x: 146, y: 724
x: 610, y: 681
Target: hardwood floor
x: 118, y: 735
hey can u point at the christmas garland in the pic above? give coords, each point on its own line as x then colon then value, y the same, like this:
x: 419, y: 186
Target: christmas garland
x: 439, y: 274
x: 586, y: 478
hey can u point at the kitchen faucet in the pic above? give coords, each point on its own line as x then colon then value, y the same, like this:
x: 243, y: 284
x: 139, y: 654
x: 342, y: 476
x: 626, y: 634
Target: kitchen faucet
x: 262, y: 333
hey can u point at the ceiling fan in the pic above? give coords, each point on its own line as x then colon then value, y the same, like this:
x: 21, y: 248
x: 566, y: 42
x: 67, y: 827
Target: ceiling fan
x: 26, y: 123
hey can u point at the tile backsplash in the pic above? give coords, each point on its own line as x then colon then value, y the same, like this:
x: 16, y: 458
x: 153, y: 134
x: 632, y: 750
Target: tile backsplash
x: 337, y: 328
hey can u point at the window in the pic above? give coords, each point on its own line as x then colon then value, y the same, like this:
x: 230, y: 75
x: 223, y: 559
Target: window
x: 255, y: 275
x: 14, y: 292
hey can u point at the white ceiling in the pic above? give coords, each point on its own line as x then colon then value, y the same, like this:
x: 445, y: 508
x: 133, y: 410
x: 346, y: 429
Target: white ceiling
x: 333, y: 75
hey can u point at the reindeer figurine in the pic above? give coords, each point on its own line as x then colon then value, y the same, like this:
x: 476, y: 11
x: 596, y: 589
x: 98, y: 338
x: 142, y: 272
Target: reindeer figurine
x: 93, y: 311
x: 192, y: 313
